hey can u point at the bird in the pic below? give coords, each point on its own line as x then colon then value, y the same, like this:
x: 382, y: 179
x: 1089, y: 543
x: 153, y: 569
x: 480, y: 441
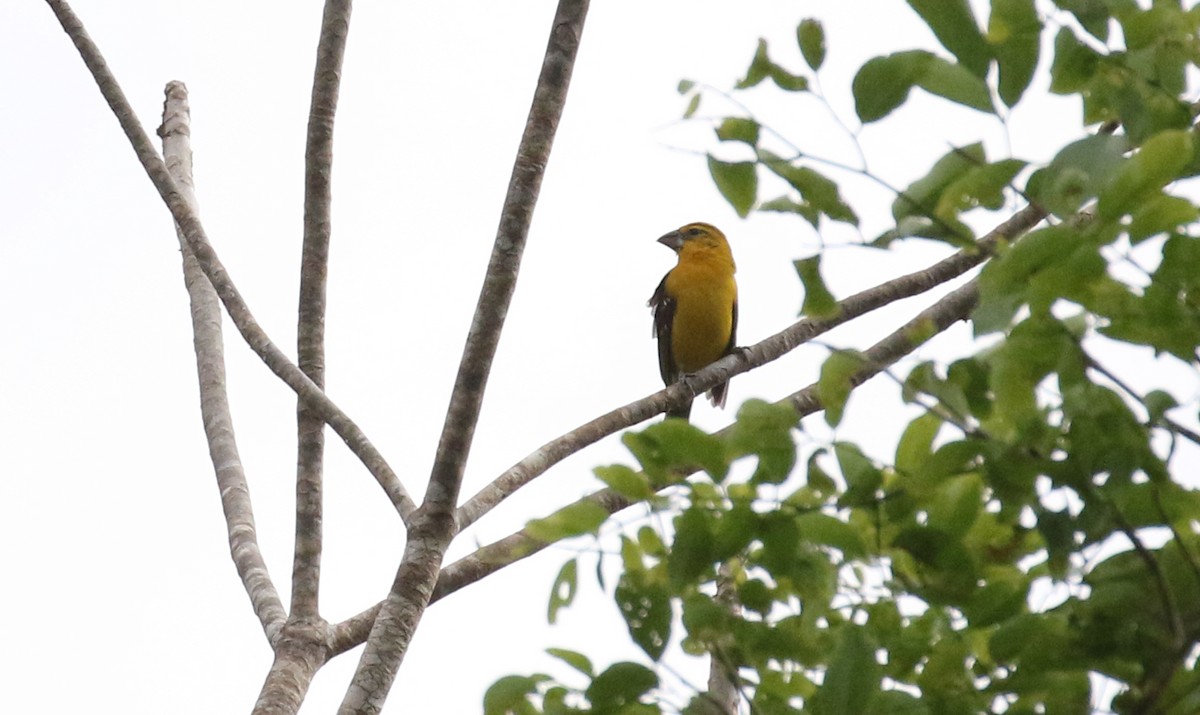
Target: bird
x: 695, y: 308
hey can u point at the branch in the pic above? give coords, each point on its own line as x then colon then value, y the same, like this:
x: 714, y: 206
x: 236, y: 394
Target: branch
x: 214, y: 400
x: 433, y: 526
x: 300, y: 653
x: 760, y: 354
x: 488, y: 559
x: 189, y: 225
x: 723, y: 691
x: 310, y: 330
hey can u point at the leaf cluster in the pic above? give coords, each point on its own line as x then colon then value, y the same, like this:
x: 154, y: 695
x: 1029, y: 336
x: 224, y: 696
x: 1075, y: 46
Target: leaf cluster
x: 827, y: 580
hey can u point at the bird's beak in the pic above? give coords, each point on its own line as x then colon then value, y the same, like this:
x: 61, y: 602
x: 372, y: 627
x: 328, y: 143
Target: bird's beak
x: 673, y: 240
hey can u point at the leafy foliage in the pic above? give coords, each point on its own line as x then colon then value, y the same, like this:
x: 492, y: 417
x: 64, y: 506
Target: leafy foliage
x: 1030, y: 536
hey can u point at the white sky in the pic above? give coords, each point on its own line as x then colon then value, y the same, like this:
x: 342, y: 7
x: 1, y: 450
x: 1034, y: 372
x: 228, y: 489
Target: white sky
x: 119, y: 587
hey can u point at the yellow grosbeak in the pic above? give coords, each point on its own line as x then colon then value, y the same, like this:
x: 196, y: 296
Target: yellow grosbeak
x: 695, y: 307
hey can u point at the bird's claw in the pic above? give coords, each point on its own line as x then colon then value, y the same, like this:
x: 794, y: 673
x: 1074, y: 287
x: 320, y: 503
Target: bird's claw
x: 688, y: 380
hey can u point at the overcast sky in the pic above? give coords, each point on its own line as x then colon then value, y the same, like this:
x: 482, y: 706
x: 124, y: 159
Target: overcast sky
x: 119, y: 587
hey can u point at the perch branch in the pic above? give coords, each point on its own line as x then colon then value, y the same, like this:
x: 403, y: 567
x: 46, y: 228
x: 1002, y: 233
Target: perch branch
x: 488, y: 559
x: 770, y: 349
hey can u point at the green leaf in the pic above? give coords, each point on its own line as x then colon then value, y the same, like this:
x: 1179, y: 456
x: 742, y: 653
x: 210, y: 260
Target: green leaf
x: 582, y: 517
x: 645, y: 604
x: 510, y: 694
x: 818, y: 479
x: 738, y: 129
x: 693, y: 552
x: 1005, y: 283
x: 819, y: 528
x: 1165, y: 315
x: 980, y: 186
x: 734, y: 531
x: 1159, y: 215
x: 1160, y: 161
x: 1157, y: 403
x: 702, y: 704
x: 1000, y: 599
x: 852, y: 678
x: 756, y: 595
x: 685, y: 86
x: 1034, y: 348
x: 576, y: 660
x: 786, y: 204
x: 761, y: 67
x: 818, y: 301
x: 1093, y: 15
x: 765, y: 431
x: 810, y: 35
x: 954, y: 25
x: 945, y: 678
x: 562, y: 593
x: 916, y: 209
x: 780, y: 537
x: 955, y: 83
x: 693, y: 106
x: 820, y: 193
x: 893, y: 702
x: 836, y: 382
x: 1074, y: 65
x: 957, y: 504
x: 737, y: 182
x: 969, y: 378
x: 862, y: 477
x: 621, y: 685
x: 651, y: 542
x: 1077, y: 173
x: 916, y: 443
x: 625, y: 481
x: 670, y: 446
x: 1014, y: 32
x: 883, y: 83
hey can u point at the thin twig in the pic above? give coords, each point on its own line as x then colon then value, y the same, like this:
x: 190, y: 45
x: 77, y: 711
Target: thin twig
x: 774, y: 347
x: 433, y: 526
x: 310, y: 330
x: 189, y: 224
x: 1166, y: 422
x: 724, y: 691
x: 488, y: 559
x: 1154, y: 690
x: 214, y: 400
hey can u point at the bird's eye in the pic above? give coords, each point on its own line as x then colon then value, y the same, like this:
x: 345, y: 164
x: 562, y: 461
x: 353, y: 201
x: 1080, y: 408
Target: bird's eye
x: 694, y: 232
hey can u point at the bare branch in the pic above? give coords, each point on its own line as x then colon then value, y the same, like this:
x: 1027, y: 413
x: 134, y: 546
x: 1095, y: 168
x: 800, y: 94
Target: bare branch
x: 760, y: 354
x: 488, y: 559
x: 302, y: 650
x: 189, y: 224
x: 723, y: 691
x: 433, y: 525
x: 214, y: 400
x: 310, y: 331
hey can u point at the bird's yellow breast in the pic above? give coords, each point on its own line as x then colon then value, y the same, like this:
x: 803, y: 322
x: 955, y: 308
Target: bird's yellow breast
x: 704, y: 292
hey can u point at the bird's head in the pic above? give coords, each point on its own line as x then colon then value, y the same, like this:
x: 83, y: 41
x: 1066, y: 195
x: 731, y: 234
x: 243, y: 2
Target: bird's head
x: 698, y: 238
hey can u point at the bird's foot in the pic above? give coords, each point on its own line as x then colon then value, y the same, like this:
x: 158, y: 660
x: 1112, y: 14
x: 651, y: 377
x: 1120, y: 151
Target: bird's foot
x: 688, y: 380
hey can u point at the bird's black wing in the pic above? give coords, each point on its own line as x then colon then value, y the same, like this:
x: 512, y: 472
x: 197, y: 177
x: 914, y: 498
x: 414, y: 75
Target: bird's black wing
x: 662, y: 306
